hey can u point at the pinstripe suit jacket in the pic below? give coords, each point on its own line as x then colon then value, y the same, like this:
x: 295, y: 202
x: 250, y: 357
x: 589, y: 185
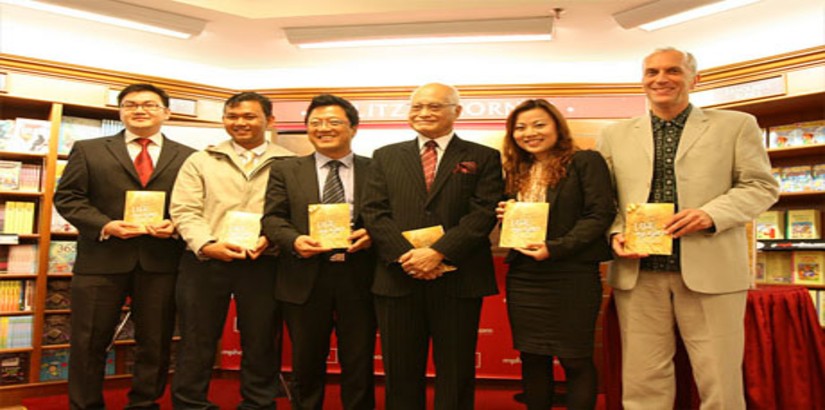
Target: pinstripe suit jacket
x: 462, y: 199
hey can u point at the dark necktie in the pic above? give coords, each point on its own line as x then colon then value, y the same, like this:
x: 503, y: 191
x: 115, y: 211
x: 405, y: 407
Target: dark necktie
x: 143, y: 162
x: 429, y: 158
x: 333, y: 188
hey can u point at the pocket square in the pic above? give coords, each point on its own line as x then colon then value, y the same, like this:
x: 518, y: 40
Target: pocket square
x: 465, y: 167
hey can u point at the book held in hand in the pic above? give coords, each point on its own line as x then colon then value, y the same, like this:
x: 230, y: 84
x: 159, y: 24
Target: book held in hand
x: 523, y: 224
x: 144, y: 207
x: 329, y: 224
x: 645, y: 229
x: 424, y: 238
x: 241, y: 228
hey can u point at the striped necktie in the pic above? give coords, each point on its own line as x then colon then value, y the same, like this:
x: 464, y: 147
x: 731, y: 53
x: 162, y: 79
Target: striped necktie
x: 333, y: 188
x: 429, y: 159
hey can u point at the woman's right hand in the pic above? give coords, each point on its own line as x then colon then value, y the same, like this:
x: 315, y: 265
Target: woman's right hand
x: 501, y: 207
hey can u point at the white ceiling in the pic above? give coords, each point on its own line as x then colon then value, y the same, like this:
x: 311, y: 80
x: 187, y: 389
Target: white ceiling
x: 243, y: 46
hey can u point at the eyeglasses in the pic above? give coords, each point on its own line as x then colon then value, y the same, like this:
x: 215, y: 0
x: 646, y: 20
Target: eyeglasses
x: 245, y: 117
x: 433, y: 107
x: 332, y: 123
x: 147, y: 106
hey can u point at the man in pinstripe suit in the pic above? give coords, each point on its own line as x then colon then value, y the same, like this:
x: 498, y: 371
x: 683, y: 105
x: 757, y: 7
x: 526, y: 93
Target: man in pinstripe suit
x: 436, y: 179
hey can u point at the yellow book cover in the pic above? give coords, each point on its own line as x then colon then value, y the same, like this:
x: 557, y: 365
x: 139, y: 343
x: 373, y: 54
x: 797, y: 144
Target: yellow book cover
x: 778, y: 267
x: 807, y: 267
x: 645, y: 229
x: 770, y: 225
x: 241, y: 228
x: 144, y: 207
x: 329, y: 224
x: 761, y: 260
x: 424, y: 237
x: 804, y: 224
x: 524, y: 223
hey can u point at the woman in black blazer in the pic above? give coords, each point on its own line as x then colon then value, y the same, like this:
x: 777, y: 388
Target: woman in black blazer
x: 554, y: 288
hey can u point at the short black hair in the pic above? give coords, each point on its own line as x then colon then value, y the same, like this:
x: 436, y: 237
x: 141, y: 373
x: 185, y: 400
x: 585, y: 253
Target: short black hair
x: 236, y: 99
x: 139, y: 87
x: 325, y: 100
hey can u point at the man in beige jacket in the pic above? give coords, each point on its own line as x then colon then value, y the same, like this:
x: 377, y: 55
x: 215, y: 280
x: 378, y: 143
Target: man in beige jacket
x: 713, y: 166
x: 211, y: 185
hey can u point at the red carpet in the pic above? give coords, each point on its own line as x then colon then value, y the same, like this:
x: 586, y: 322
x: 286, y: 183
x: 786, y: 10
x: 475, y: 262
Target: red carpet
x: 490, y: 395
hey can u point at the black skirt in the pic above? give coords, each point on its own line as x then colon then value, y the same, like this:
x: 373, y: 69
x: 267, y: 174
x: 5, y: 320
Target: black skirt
x: 553, y: 313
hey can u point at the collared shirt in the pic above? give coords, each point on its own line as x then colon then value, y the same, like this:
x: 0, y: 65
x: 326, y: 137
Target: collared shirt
x: 257, y: 152
x: 442, y: 146
x: 134, y: 147
x: 666, y: 136
x: 346, y: 172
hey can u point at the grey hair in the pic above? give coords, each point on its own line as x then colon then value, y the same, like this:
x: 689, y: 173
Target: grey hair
x: 688, y: 60
x: 454, y: 97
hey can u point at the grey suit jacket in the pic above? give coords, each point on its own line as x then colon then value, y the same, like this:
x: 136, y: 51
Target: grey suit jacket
x: 462, y: 199
x: 92, y: 192
x: 721, y: 168
x: 293, y: 185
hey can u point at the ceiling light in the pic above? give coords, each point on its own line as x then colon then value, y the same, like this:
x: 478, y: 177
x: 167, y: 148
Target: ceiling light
x: 120, y: 14
x: 664, y: 13
x: 439, y: 32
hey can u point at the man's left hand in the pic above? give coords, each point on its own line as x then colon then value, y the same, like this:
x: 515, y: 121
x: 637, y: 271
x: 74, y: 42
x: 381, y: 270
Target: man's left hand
x: 688, y: 221
x: 420, y: 260
x: 360, y: 239
x: 262, y: 244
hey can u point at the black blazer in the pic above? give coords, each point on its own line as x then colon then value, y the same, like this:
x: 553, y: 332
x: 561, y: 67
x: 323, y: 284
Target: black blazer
x: 92, y: 192
x: 463, y: 198
x: 293, y: 185
x: 582, y: 208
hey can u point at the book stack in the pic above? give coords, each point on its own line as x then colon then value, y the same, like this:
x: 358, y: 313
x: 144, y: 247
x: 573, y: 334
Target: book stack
x: 58, y: 294
x: 22, y: 259
x: 56, y: 329
x: 16, y: 295
x: 19, y: 176
x: 75, y: 129
x: 15, y: 332
x: 25, y: 135
x: 18, y: 217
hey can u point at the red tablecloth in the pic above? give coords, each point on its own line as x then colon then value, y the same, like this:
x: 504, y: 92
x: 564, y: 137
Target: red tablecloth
x: 784, y: 365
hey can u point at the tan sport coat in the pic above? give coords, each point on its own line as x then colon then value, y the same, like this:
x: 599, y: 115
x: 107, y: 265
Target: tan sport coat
x: 721, y: 168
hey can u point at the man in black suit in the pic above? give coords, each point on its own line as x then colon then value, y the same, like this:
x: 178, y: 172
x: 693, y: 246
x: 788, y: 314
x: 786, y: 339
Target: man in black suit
x: 437, y: 179
x: 116, y: 259
x: 323, y: 288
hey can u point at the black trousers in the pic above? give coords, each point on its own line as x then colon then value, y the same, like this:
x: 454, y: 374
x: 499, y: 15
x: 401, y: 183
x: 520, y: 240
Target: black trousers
x: 407, y: 324
x: 97, y: 302
x: 336, y: 302
x: 204, y: 291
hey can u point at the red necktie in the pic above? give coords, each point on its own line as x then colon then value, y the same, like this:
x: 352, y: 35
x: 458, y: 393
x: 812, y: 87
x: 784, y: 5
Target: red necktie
x: 143, y: 162
x: 429, y: 158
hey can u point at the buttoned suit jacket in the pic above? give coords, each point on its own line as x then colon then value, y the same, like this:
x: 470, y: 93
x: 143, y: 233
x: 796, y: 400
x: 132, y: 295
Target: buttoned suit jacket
x: 293, y: 185
x: 721, y: 167
x: 92, y: 192
x: 462, y: 199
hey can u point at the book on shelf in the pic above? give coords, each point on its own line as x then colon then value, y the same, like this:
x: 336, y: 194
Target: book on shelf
x: 144, y: 207
x: 59, y: 167
x: 58, y: 293
x: 797, y: 179
x: 807, y: 267
x: 818, y: 177
x: 10, y: 175
x: 19, y: 217
x: 6, y: 133
x: 62, y: 255
x: 14, y: 368
x: 22, y: 259
x: 75, y: 129
x: 645, y: 229
x: 821, y: 304
x: 798, y: 134
x: 241, y: 228
x: 29, y: 136
x: 523, y: 224
x: 426, y: 237
x: 770, y: 225
x: 16, y: 295
x: 110, y: 127
x: 30, y: 178
x: 759, y: 271
x: 804, y: 224
x: 59, y: 224
x: 15, y: 332
x: 54, y: 365
x: 329, y: 224
x: 778, y: 267
x: 57, y: 329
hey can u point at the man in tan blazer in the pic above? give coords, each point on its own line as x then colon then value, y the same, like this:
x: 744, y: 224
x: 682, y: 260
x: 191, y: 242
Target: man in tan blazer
x: 713, y: 166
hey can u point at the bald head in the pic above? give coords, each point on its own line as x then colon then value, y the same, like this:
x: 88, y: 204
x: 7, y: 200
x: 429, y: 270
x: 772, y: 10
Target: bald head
x: 434, y: 108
